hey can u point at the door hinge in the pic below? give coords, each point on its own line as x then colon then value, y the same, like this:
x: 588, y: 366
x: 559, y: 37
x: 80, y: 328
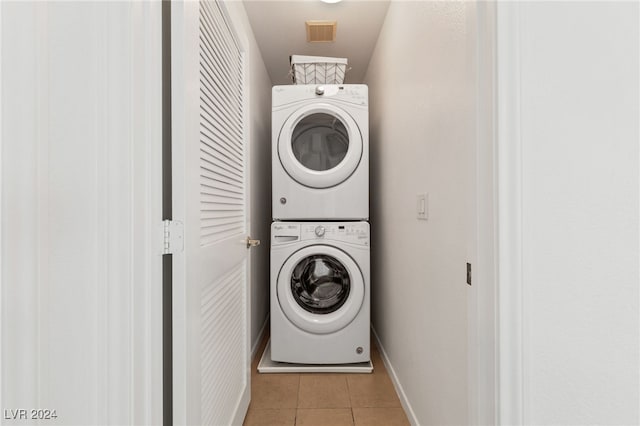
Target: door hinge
x: 172, y: 237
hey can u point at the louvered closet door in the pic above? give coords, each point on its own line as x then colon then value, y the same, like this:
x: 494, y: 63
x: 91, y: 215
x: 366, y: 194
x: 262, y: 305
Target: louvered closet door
x: 210, y: 311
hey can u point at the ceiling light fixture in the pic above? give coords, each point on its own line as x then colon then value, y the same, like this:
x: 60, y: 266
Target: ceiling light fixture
x: 330, y: 1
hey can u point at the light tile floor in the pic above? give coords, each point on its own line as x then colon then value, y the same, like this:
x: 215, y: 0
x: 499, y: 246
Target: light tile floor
x: 321, y: 399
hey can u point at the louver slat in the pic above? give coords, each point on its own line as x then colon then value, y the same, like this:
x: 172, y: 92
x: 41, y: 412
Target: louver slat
x: 222, y: 169
x: 223, y: 355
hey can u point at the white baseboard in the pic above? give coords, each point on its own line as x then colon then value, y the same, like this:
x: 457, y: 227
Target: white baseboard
x: 255, y: 345
x: 396, y: 383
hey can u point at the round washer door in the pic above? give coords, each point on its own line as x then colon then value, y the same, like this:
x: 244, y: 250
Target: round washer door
x: 320, y: 145
x: 320, y: 289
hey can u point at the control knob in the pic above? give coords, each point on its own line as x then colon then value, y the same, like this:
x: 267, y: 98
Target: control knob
x: 320, y: 231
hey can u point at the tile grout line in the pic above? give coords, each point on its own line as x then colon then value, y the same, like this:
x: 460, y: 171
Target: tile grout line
x: 353, y: 418
x: 295, y: 418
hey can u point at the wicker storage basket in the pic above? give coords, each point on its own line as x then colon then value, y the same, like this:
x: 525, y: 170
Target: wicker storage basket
x: 317, y: 70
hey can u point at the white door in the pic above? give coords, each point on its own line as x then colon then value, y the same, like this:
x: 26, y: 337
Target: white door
x: 80, y: 185
x: 211, y: 351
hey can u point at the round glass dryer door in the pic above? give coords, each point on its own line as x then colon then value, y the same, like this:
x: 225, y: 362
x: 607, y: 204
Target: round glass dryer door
x: 320, y: 146
x: 320, y: 141
x: 320, y: 289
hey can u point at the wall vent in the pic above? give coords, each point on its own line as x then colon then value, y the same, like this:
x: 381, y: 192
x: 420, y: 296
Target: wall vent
x: 321, y: 31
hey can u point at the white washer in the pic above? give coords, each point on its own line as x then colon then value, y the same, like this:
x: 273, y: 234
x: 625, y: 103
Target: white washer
x: 320, y: 152
x: 320, y: 292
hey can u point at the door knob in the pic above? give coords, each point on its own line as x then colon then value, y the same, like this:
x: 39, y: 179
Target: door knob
x: 252, y: 243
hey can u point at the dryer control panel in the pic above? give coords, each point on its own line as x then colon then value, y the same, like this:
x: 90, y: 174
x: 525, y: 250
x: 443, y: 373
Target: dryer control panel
x: 349, y: 232
x: 357, y: 94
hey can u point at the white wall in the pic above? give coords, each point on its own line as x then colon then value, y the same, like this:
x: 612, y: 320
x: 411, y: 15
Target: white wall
x: 422, y: 91
x: 571, y: 74
x: 80, y: 179
x: 259, y: 169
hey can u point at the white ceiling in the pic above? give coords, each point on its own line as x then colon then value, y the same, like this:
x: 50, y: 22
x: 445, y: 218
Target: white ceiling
x: 279, y: 28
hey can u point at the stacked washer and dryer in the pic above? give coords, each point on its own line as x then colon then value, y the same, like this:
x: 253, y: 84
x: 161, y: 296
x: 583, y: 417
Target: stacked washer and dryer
x: 320, y: 284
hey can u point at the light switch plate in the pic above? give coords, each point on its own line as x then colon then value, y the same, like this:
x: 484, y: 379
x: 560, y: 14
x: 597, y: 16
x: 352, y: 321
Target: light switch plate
x: 422, y: 206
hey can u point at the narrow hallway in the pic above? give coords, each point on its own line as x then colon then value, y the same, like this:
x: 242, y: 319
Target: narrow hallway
x: 324, y: 399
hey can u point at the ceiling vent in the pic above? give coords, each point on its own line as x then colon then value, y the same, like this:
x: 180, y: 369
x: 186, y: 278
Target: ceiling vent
x: 321, y: 31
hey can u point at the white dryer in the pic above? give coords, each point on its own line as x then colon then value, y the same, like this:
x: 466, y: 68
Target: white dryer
x: 320, y: 152
x: 320, y: 292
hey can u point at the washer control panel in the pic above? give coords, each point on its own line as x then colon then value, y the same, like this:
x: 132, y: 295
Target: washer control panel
x: 350, y: 232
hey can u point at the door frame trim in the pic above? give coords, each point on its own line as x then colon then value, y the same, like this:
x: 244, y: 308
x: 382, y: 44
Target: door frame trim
x: 497, y: 357
x: 508, y: 168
